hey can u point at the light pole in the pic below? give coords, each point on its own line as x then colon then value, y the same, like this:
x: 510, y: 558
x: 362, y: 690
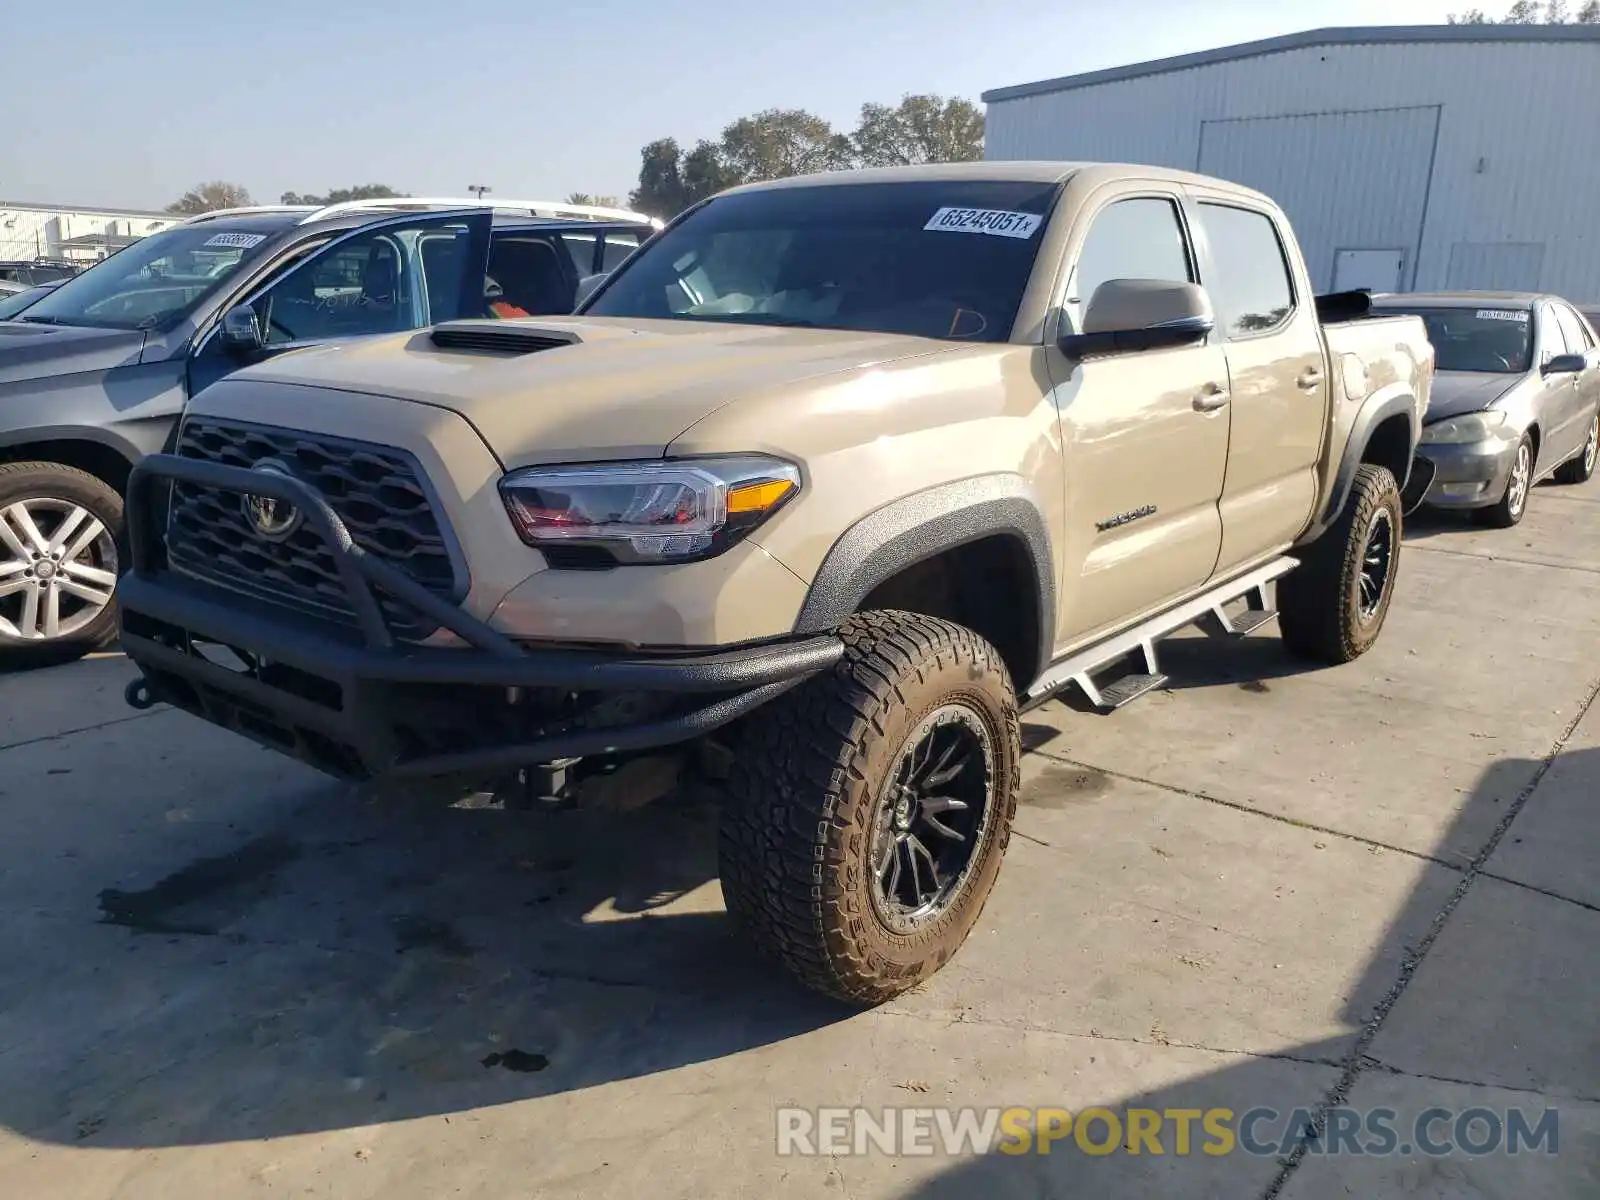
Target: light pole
x: 478, y: 189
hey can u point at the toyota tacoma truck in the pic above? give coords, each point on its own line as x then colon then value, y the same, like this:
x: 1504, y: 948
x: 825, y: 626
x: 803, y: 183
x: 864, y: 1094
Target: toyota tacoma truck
x: 833, y: 476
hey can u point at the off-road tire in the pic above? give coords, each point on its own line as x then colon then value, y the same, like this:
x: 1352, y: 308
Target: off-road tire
x: 57, y: 481
x: 803, y: 795
x: 1504, y: 513
x: 1319, y: 602
x: 1580, y: 467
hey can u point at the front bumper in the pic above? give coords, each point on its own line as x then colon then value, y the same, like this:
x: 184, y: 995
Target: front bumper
x: 1468, y: 474
x: 359, y: 704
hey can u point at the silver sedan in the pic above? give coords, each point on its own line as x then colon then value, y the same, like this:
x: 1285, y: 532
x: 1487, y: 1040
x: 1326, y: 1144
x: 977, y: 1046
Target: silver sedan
x: 1516, y: 398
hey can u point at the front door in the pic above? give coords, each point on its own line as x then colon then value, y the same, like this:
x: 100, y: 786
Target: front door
x: 403, y: 273
x: 1583, y: 391
x: 1276, y: 376
x: 1145, y: 435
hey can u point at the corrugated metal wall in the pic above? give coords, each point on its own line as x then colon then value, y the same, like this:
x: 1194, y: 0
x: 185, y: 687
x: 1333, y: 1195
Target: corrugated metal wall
x: 1514, y: 189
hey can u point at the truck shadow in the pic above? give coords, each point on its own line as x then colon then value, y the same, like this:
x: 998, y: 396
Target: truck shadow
x: 371, y: 962
x: 1466, y: 1014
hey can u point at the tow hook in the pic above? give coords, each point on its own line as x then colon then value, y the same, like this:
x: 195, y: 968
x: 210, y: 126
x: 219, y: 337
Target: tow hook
x: 137, y: 694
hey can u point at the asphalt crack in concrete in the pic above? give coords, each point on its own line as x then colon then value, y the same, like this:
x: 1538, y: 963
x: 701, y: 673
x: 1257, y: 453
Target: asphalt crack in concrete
x: 65, y: 733
x: 1377, y: 1064
x: 1358, y: 1059
x: 1251, y: 810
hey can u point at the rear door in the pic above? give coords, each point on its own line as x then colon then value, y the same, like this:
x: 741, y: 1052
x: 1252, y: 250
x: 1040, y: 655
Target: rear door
x: 1586, y: 383
x: 1145, y: 434
x: 1277, y: 376
x: 385, y: 277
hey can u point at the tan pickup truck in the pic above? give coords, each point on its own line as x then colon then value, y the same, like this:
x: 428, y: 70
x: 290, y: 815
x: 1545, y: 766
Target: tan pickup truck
x: 833, y: 476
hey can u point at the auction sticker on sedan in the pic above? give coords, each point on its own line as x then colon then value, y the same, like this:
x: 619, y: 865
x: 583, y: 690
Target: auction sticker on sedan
x: 994, y: 221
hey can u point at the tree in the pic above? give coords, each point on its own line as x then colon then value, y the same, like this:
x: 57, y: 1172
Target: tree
x: 208, y: 197
x: 660, y: 190
x: 596, y: 201
x: 363, y: 191
x: 1532, y: 12
x: 919, y: 129
x: 780, y: 142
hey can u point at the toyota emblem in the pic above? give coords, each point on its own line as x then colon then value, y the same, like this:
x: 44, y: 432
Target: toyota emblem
x: 270, y: 518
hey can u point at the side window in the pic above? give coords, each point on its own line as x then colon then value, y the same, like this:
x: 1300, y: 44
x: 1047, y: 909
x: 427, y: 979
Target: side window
x: 1252, y: 290
x: 355, y: 287
x: 581, y: 246
x: 1132, y: 239
x: 618, y: 247
x: 1552, y: 338
x: 1577, y: 337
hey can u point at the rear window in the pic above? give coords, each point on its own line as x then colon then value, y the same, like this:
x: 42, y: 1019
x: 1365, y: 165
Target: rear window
x: 939, y: 259
x: 1494, y: 340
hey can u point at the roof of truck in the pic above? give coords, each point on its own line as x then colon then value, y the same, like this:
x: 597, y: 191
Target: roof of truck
x: 1021, y: 171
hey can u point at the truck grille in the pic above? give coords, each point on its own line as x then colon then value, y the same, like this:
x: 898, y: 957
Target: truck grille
x: 376, y: 490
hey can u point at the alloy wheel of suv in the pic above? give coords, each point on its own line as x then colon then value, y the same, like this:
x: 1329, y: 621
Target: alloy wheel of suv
x: 58, y: 563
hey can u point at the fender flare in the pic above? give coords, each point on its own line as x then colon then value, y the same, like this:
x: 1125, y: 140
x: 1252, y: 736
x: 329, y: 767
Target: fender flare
x: 917, y: 527
x: 1394, y: 400
x: 104, y: 438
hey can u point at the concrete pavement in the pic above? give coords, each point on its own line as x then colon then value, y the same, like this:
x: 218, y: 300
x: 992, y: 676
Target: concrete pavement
x: 1372, y: 886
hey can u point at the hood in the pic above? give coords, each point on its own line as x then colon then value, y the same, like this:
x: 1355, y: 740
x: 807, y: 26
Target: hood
x: 625, y: 389
x: 31, y: 351
x: 1457, y: 392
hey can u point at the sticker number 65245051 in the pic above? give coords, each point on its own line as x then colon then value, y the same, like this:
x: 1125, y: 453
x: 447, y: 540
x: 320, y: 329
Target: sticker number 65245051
x: 993, y: 221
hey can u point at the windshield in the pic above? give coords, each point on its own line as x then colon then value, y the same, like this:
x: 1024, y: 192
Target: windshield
x: 933, y: 259
x: 154, y: 282
x: 1494, y: 340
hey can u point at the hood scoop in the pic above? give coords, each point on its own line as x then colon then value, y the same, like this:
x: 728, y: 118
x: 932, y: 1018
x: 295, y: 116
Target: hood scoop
x: 500, y: 337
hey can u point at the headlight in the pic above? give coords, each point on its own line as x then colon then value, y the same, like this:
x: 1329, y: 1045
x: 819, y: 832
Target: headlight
x: 648, y: 512
x: 1470, y: 427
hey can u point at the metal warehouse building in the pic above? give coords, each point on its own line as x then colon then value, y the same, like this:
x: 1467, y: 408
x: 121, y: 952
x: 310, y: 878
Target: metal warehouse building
x: 1408, y: 158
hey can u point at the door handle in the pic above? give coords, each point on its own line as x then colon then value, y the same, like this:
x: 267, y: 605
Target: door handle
x: 1309, y: 378
x: 1211, y: 398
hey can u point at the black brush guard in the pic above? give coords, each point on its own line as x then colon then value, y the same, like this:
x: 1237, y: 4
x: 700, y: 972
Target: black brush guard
x: 326, y: 694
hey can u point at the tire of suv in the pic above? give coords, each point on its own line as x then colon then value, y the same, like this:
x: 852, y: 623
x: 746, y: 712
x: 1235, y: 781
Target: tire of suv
x: 1579, y: 468
x: 60, y: 549
x: 1513, y: 505
x: 868, y: 810
x: 1332, y: 607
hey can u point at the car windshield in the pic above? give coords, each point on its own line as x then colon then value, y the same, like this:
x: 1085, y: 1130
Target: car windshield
x: 933, y: 259
x: 156, y: 281
x: 1494, y: 340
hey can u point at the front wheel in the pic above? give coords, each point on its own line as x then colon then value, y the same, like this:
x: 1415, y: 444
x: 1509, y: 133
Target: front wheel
x: 59, y: 530
x: 869, y: 809
x: 1513, y: 504
x: 1332, y: 607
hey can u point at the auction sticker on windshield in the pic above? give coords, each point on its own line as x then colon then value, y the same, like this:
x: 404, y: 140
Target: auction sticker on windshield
x: 1503, y: 314
x: 993, y: 221
x: 241, y: 241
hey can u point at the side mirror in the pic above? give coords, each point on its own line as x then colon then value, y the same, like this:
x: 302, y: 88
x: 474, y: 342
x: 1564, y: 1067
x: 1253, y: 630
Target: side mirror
x: 1566, y: 364
x: 1141, y: 314
x: 588, y: 285
x: 241, y: 331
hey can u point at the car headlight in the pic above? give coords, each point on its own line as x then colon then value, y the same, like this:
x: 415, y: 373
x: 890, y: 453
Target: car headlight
x: 1469, y: 427
x: 646, y: 512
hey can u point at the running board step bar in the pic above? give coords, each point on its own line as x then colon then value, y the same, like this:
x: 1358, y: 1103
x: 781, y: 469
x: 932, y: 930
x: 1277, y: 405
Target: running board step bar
x: 1208, y: 610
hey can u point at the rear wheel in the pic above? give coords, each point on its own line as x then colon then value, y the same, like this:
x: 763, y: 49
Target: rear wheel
x: 1580, y: 468
x: 869, y: 809
x: 1513, y: 505
x: 1332, y: 607
x: 59, y: 558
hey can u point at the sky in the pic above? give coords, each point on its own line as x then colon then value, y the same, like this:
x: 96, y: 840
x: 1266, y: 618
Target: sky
x: 131, y: 105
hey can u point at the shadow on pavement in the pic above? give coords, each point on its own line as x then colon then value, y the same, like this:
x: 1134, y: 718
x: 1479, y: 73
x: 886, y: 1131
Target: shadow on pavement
x: 1496, y: 1003
x: 372, y: 962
